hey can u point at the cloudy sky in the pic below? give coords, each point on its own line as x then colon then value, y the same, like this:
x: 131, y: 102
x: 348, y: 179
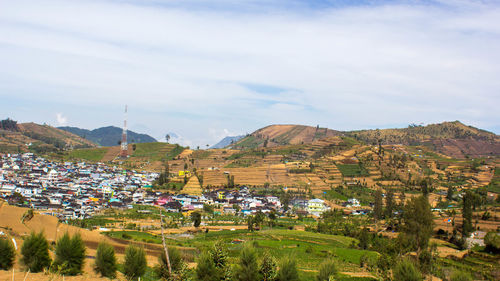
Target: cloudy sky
x: 205, y: 71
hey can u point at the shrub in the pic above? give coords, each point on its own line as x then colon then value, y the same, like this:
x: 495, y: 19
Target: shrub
x: 268, y: 268
x: 35, y: 252
x: 135, y: 262
x: 492, y: 242
x: 460, y: 276
x: 327, y: 271
x: 105, y: 262
x: 7, y: 254
x: 70, y: 255
x: 288, y: 270
x: 247, y: 269
x: 176, y: 263
x: 206, y: 269
x: 406, y: 271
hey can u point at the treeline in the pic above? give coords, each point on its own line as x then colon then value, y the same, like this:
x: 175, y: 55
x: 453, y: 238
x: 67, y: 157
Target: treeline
x: 9, y: 125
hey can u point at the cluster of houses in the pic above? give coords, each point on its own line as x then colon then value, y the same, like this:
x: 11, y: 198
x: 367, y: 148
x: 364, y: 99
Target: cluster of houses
x: 78, y: 190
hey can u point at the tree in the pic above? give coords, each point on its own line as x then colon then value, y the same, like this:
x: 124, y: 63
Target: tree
x: 377, y: 208
x: 406, y: 271
x: 327, y: 271
x: 288, y: 270
x: 213, y: 265
x: 196, y: 218
x: 177, y: 264
x: 492, y: 242
x: 449, y: 192
x: 268, y: 268
x: 418, y: 222
x: 285, y: 201
x: 7, y: 254
x: 70, y: 255
x: 135, y: 262
x: 167, y: 137
x: 247, y: 269
x: 364, y: 239
x: 35, y: 252
x: 467, y: 227
x: 105, y: 261
x: 389, y: 203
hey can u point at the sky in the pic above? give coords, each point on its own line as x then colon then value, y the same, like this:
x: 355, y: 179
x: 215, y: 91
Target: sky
x: 204, y: 70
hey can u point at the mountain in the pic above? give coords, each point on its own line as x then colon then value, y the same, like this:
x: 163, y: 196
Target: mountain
x: 454, y: 139
x: 109, y: 136
x: 33, y: 137
x: 276, y: 135
x: 227, y: 141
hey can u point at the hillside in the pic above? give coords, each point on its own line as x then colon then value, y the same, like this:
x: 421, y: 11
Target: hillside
x: 453, y: 139
x: 38, y: 138
x: 226, y: 141
x: 277, y: 135
x: 108, y: 136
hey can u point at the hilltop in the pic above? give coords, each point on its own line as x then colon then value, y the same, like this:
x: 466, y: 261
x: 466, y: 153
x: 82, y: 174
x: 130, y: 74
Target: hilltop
x: 108, y: 136
x: 453, y: 139
x: 226, y: 142
x: 277, y: 135
x: 33, y: 137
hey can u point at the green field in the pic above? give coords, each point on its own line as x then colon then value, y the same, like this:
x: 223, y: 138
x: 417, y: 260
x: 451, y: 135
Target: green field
x: 352, y: 170
x: 89, y: 154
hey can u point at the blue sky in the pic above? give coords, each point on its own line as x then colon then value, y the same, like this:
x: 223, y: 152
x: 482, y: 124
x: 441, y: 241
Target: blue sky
x: 205, y: 71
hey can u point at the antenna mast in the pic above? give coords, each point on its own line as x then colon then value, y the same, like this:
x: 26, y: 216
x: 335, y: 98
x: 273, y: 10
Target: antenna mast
x: 124, y: 146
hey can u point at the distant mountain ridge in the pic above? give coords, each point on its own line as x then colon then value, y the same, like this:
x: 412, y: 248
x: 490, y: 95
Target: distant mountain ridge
x: 109, y: 136
x: 450, y: 138
x: 226, y: 142
x: 37, y: 138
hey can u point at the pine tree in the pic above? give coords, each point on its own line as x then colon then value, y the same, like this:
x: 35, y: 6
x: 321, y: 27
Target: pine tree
x: 288, y: 270
x: 35, y: 252
x: 377, y: 208
x: 135, y: 262
x: 70, y: 255
x: 105, y: 262
x: 418, y: 222
x: 176, y: 263
x: 327, y: 271
x: 7, y: 254
x: 206, y: 269
x: 467, y: 227
x: 268, y: 268
x: 389, y: 203
x: 247, y: 268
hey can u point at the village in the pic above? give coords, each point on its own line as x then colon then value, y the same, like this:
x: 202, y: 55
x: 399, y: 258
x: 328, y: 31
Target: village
x: 79, y: 190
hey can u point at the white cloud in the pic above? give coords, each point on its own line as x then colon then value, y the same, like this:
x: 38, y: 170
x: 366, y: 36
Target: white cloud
x: 350, y: 67
x: 61, y: 120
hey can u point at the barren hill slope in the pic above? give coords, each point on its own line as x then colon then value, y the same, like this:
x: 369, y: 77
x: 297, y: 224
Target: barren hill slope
x: 43, y: 138
x: 277, y: 135
x: 450, y: 138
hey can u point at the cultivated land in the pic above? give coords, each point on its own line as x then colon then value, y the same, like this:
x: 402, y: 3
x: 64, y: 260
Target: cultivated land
x: 445, y: 160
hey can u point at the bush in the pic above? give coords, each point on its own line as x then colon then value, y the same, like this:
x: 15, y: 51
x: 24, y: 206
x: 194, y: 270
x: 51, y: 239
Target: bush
x: 206, y: 269
x: 247, y: 269
x: 492, y: 242
x: 176, y: 263
x: 105, y: 261
x: 70, y: 255
x: 35, y: 252
x: 460, y: 276
x: 135, y: 262
x: 406, y: 271
x: 268, y: 268
x: 327, y: 270
x: 7, y: 254
x: 288, y: 270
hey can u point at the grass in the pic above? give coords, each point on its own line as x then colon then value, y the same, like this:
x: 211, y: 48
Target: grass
x: 332, y: 194
x: 134, y: 235
x: 156, y: 151
x: 352, y: 170
x: 89, y: 154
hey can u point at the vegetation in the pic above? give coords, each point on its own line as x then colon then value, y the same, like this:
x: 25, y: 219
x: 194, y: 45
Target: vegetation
x: 352, y: 170
x: 70, y: 255
x: 406, y: 271
x: 35, y: 252
x: 247, y: 268
x: 177, y: 264
x: 135, y: 262
x: 105, y: 262
x: 288, y: 270
x: 327, y: 271
x: 7, y: 254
